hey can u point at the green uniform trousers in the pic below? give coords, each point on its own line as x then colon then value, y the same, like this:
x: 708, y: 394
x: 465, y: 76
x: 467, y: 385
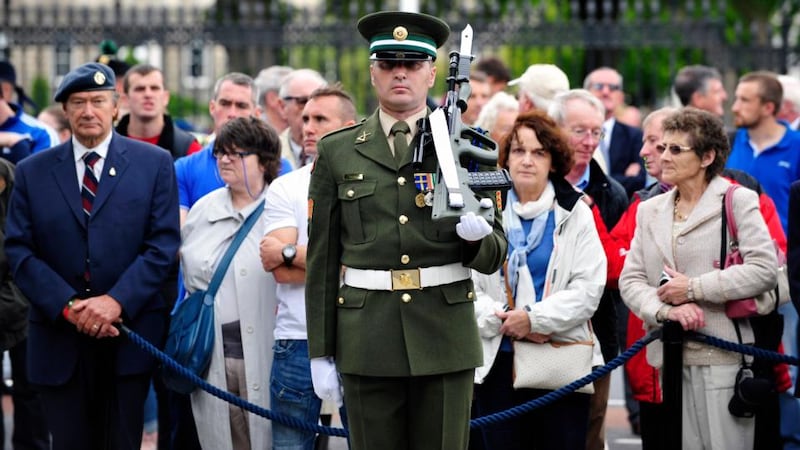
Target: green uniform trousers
x: 429, y: 412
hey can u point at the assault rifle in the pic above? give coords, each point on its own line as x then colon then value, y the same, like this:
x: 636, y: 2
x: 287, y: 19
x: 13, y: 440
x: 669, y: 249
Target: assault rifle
x: 460, y: 147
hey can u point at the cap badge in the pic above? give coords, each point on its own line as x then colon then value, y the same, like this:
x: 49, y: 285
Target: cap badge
x: 99, y: 78
x: 400, y: 33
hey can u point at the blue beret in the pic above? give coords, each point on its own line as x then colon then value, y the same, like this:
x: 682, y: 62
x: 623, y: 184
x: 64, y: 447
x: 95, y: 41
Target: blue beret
x: 88, y: 77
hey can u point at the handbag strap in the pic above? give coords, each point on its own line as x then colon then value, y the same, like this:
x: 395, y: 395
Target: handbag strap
x: 727, y: 209
x: 509, y: 297
x: 219, y: 274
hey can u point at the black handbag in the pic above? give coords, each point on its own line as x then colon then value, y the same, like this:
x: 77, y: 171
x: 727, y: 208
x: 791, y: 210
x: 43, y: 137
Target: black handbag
x: 190, y: 341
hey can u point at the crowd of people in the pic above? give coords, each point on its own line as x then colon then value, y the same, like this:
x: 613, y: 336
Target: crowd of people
x: 346, y: 297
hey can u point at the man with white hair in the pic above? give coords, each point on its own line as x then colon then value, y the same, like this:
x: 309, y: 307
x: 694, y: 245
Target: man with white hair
x: 294, y: 93
x: 538, y: 85
x: 790, y: 107
x: 268, y: 83
x: 498, y: 115
x: 580, y: 115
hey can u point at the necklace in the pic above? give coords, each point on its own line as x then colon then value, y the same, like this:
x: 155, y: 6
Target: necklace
x: 675, y: 214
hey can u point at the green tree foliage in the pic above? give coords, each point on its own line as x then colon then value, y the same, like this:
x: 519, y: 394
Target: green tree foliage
x: 40, y: 92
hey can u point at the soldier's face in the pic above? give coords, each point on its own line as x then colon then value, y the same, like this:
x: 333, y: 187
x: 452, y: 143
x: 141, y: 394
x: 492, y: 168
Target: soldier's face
x: 402, y: 88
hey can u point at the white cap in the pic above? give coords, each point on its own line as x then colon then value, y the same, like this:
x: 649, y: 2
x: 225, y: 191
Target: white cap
x: 542, y: 82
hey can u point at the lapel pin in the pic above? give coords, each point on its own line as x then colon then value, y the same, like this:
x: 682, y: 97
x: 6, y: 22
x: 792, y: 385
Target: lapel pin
x: 112, y: 171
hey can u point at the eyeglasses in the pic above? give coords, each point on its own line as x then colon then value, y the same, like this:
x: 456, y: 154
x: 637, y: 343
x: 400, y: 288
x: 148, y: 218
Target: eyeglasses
x: 408, y: 64
x: 595, y: 133
x: 300, y: 100
x: 611, y: 86
x: 674, y: 149
x: 233, y: 156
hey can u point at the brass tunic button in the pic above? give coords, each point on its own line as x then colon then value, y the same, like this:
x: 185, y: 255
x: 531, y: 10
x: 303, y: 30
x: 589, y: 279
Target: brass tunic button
x: 406, y: 297
x: 403, y: 219
x: 401, y: 181
x: 351, y: 193
x: 405, y: 259
x: 341, y: 300
x: 470, y: 295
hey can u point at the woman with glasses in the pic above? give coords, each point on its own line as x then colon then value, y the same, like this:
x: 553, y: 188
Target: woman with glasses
x: 247, y: 151
x: 556, y: 272
x: 672, y: 272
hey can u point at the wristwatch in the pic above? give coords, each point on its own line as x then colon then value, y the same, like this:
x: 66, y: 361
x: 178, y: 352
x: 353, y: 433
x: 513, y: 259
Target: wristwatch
x: 289, y: 252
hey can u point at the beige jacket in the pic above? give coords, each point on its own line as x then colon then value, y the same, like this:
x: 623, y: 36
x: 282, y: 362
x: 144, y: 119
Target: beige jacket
x: 695, y: 252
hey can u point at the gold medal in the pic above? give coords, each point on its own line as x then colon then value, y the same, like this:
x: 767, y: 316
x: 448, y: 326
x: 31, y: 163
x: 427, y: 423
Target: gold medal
x: 419, y: 200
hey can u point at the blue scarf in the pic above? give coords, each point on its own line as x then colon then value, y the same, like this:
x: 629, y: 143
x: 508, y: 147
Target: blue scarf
x: 521, y: 242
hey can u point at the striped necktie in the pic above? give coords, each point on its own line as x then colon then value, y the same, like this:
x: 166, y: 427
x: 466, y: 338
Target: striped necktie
x: 89, y: 186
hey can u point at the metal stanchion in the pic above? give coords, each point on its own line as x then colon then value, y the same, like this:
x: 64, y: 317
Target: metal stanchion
x: 671, y: 378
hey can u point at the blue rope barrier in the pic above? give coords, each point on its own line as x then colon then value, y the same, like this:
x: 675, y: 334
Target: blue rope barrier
x: 741, y: 348
x: 170, y: 364
x: 516, y: 411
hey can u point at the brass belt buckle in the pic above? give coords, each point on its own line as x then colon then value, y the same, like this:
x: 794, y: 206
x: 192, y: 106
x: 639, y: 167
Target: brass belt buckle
x: 405, y: 279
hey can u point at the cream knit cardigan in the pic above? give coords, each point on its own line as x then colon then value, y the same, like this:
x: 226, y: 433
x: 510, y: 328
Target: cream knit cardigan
x: 695, y: 252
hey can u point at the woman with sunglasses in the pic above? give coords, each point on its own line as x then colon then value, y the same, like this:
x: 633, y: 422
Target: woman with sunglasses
x: 247, y: 151
x: 672, y: 272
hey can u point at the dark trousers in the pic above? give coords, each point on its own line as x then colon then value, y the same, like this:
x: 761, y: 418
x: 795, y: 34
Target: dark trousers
x: 651, y: 421
x: 560, y: 425
x: 96, y: 409
x: 409, y: 413
x: 30, y: 430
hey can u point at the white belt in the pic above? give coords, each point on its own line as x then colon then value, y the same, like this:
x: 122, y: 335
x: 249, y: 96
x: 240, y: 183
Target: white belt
x: 396, y: 280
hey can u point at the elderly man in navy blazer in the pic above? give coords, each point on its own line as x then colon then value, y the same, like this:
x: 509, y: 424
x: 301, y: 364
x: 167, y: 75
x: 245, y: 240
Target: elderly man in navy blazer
x: 92, y: 230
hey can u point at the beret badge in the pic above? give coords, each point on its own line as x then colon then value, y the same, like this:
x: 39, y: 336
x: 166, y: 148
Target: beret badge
x: 99, y: 78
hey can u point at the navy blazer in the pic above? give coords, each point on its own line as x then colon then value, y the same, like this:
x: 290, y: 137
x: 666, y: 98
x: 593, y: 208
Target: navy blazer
x: 626, y: 141
x: 130, y: 241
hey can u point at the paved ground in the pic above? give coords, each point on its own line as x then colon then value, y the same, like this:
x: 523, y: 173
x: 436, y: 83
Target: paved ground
x: 618, y: 434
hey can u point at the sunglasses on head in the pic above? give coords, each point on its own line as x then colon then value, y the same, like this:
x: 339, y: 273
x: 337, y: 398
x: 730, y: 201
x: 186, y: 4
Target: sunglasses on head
x: 674, y: 149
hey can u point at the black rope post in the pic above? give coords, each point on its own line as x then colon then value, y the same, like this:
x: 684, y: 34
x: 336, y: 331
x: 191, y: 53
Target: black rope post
x: 671, y: 379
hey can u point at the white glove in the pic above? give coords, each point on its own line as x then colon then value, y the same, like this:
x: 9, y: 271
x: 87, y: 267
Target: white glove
x: 326, y: 380
x: 489, y: 324
x: 472, y: 227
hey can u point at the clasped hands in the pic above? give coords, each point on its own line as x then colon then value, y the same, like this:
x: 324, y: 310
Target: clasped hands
x: 517, y: 325
x: 96, y: 316
x: 675, y: 292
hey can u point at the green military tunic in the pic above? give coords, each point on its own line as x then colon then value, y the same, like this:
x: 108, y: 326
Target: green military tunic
x: 363, y: 215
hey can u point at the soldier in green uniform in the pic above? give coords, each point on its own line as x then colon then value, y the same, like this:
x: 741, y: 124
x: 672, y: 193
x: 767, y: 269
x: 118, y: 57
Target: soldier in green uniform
x: 401, y: 328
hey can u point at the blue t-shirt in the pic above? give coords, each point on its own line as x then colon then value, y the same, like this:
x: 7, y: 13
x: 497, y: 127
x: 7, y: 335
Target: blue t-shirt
x: 775, y: 168
x: 43, y: 137
x: 198, y: 175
